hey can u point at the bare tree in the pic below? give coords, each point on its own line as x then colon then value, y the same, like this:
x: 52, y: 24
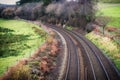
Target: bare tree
x: 102, y: 22
x: 73, y: 12
x: 8, y: 13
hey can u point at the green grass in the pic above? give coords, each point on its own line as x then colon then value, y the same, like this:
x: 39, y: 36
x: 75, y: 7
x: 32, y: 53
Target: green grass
x: 18, y: 39
x: 109, y: 47
x: 68, y: 27
x: 112, y: 11
x: 110, y: 1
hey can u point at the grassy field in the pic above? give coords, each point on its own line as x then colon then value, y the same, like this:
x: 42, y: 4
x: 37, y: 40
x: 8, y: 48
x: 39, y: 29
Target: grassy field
x: 112, y: 11
x: 18, y: 39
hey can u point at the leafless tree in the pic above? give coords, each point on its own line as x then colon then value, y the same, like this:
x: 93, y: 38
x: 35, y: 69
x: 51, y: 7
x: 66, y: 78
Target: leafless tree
x: 102, y: 22
x: 8, y: 13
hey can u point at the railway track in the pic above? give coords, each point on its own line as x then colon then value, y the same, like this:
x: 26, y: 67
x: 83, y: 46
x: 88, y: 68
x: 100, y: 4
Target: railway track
x: 84, y: 60
x: 107, y: 66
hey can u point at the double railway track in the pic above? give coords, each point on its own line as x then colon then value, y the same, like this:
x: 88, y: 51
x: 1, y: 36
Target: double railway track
x: 84, y: 60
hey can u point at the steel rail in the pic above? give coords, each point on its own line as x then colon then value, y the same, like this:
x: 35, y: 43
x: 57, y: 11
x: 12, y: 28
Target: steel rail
x: 98, y: 54
x: 71, y: 53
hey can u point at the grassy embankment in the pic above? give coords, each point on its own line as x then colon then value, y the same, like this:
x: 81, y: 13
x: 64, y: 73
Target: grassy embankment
x: 108, y: 46
x: 18, y: 39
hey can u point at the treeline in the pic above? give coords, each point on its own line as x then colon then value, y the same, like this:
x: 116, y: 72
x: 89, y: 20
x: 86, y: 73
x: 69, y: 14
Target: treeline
x: 57, y: 12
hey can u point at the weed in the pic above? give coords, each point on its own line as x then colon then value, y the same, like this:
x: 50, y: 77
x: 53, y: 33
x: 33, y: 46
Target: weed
x: 34, y: 63
x: 68, y: 27
x: 40, y: 32
x: 21, y: 72
x: 109, y: 47
x: 50, y: 40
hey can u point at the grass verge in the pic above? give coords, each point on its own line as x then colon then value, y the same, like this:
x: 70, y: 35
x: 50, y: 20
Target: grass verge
x: 108, y: 46
x: 18, y: 39
x: 69, y: 27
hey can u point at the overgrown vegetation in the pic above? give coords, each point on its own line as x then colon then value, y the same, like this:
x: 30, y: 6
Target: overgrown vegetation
x: 109, y: 42
x: 38, y: 66
x: 68, y: 27
x: 18, y: 39
x: 18, y: 72
x: 109, y: 47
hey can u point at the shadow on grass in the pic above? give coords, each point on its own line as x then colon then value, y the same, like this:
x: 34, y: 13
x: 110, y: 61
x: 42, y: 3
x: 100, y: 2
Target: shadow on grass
x: 11, y: 44
x: 5, y: 30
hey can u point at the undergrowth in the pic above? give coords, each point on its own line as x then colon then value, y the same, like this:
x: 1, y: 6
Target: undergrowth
x: 68, y: 27
x: 20, y: 72
x: 108, y: 46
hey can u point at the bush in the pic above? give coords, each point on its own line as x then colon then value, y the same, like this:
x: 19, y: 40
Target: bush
x: 109, y: 47
x: 1, y: 9
x: 49, y: 40
x: 39, y: 32
x: 20, y: 72
x: 30, y: 11
x: 8, y: 13
x: 38, y: 11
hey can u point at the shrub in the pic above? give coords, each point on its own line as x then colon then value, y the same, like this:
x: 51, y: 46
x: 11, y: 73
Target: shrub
x: 50, y: 40
x: 8, y: 13
x: 40, y: 32
x: 38, y: 11
x: 1, y: 9
x: 20, y: 72
x: 30, y: 11
x: 53, y: 34
x: 109, y: 47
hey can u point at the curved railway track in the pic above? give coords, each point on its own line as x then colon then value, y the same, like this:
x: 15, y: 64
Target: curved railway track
x: 72, y: 65
x: 84, y: 60
x: 107, y: 66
